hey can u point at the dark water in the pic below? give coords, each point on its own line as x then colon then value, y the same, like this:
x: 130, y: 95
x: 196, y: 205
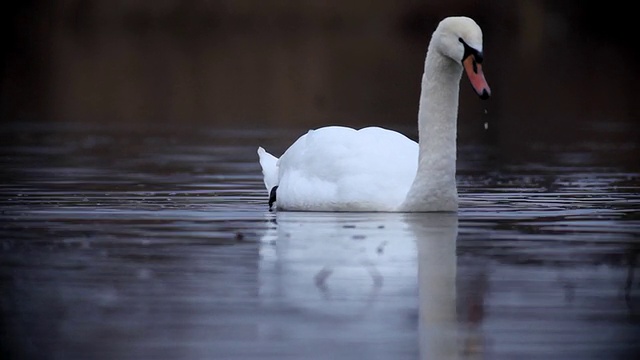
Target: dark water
x: 124, y: 242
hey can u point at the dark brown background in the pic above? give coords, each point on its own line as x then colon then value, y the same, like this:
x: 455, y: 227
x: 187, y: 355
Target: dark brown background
x: 555, y: 68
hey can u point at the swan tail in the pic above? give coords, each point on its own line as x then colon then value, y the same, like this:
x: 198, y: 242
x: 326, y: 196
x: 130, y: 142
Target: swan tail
x: 269, y: 164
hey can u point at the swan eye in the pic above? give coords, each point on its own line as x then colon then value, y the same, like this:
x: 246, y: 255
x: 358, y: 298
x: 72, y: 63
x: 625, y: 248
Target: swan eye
x: 468, y: 50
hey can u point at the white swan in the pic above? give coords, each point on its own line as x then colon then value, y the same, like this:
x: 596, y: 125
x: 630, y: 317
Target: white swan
x: 372, y: 169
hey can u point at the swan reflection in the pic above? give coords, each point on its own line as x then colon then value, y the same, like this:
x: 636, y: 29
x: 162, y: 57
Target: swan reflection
x: 367, y: 277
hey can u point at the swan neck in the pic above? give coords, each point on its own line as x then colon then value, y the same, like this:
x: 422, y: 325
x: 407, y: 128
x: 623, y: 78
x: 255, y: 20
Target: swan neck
x: 438, y: 111
x: 434, y: 188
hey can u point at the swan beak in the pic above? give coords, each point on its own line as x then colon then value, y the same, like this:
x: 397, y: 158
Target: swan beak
x: 476, y: 77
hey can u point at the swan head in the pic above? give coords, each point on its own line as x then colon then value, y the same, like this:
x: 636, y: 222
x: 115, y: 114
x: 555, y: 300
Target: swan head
x: 460, y: 39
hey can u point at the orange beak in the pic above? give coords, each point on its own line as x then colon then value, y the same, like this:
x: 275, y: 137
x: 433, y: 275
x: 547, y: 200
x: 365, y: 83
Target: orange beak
x: 476, y: 77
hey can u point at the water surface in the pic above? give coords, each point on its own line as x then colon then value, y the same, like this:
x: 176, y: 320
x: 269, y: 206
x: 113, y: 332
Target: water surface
x: 125, y: 242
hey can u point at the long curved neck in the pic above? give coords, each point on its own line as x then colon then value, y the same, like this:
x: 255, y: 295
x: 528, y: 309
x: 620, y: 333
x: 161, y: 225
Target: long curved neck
x: 434, y: 187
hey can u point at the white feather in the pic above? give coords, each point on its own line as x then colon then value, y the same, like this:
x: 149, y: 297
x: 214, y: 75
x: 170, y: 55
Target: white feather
x: 269, y: 164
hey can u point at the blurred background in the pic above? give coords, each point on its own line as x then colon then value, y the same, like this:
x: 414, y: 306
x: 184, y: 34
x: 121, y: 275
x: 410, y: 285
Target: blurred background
x: 560, y: 72
x: 128, y: 131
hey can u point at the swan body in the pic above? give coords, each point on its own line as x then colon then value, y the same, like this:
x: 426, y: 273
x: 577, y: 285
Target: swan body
x: 338, y: 168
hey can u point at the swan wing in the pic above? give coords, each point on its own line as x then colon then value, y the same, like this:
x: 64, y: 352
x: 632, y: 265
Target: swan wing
x: 342, y: 169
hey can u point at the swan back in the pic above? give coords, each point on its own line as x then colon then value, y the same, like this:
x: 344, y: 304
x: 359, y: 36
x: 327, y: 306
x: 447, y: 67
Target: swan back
x: 342, y: 169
